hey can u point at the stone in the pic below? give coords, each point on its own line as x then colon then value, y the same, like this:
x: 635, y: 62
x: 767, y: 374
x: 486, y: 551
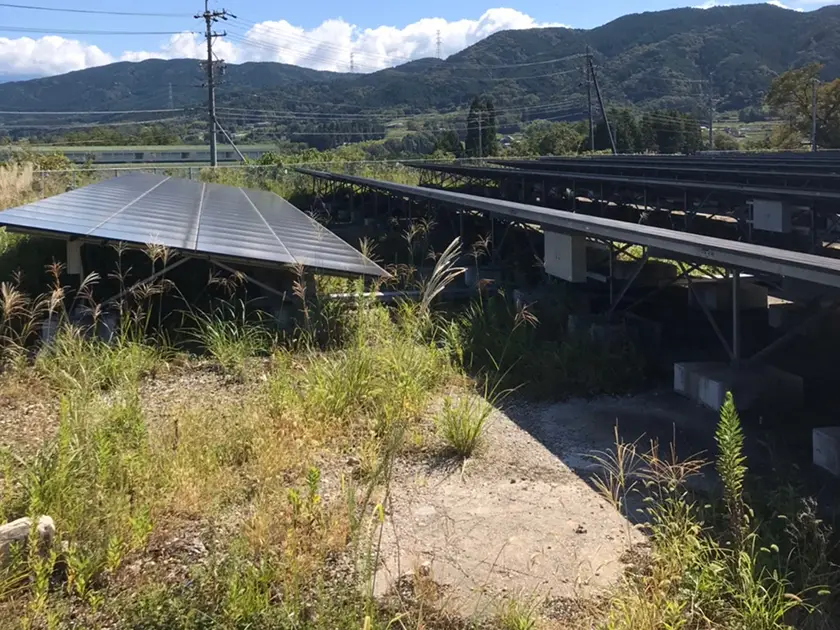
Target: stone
x: 18, y: 532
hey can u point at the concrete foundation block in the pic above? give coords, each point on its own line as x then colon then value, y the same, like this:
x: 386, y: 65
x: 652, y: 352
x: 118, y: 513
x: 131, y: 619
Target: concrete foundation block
x: 717, y: 294
x: 598, y: 328
x: 827, y: 449
x: 758, y: 388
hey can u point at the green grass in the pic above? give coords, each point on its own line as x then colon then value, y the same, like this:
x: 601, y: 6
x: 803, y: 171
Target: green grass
x: 709, y: 568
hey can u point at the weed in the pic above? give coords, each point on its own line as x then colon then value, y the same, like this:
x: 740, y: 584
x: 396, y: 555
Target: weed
x: 731, y: 468
x: 518, y: 615
x: 230, y: 336
x: 462, y: 423
x: 696, y: 577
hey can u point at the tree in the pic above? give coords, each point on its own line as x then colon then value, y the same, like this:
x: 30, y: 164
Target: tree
x: 751, y: 114
x: 549, y: 138
x: 625, y: 130
x: 448, y: 142
x: 481, y: 128
x: 725, y: 142
x: 790, y: 96
x: 647, y: 134
x: 669, y: 129
x: 692, y: 138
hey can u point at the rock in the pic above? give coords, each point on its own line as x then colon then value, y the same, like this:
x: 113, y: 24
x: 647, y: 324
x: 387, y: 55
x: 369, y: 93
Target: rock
x: 580, y: 529
x: 18, y: 532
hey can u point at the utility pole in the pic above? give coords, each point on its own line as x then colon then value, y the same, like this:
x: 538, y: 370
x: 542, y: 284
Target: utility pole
x: 711, y: 113
x: 480, y: 135
x: 814, y: 115
x: 352, y: 63
x: 601, y: 105
x: 589, y: 100
x: 171, y: 100
x: 439, y: 46
x: 210, y: 17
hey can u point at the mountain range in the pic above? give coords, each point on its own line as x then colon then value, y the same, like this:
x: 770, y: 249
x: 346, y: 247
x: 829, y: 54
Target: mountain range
x: 657, y: 59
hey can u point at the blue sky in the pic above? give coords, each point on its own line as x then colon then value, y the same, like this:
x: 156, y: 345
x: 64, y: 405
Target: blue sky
x: 316, y: 34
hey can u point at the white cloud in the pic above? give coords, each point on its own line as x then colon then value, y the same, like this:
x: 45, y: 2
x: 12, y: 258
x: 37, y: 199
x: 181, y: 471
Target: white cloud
x: 48, y: 55
x: 778, y: 3
x: 325, y: 47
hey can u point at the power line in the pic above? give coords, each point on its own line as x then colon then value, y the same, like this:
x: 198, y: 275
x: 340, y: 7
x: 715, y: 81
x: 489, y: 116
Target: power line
x: 90, y: 112
x: 94, y: 124
x: 90, y: 11
x: 271, y: 115
x: 384, y: 132
x: 51, y: 31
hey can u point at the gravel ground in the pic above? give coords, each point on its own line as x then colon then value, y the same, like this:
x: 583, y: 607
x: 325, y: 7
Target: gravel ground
x: 28, y: 414
x: 519, y: 520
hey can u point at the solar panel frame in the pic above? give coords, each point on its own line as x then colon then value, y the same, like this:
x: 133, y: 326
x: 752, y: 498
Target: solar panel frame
x: 202, y: 220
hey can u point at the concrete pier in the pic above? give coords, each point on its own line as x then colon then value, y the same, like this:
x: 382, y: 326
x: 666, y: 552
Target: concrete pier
x: 827, y: 449
x: 755, y: 387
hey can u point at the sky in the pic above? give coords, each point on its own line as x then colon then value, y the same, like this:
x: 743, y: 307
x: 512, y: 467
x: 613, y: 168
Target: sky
x: 321, y: 34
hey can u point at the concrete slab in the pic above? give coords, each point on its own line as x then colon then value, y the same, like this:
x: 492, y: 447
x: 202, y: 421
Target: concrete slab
x: 760, y: 388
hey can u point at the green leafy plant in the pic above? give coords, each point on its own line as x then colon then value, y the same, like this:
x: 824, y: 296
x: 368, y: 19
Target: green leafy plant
x: 730, y: 466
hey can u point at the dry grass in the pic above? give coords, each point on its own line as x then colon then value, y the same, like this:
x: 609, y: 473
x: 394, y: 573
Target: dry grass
x: 15, y: 184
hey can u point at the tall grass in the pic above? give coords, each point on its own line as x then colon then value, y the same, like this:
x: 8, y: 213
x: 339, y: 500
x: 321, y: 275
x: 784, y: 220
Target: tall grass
x: 704, y: 572
x: 231, y: 335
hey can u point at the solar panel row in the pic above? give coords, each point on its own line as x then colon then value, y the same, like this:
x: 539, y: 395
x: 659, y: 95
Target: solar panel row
x: 193, y: 217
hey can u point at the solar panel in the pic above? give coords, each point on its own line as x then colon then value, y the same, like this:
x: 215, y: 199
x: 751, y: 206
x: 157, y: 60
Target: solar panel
x: 204, y: 219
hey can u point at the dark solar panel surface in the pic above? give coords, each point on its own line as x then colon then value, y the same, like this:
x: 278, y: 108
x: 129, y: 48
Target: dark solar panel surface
x: 208, y: 219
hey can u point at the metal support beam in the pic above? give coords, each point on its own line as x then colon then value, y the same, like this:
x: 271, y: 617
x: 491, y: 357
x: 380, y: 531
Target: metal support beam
x: 636, y: 271
x: 151, y: 278
x: 802, y: 326
x: 255, y: 282
x: 660, y: 289
x: 707, y: 313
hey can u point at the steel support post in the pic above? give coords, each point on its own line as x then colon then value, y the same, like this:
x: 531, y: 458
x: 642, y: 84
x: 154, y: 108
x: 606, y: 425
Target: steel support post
x: 736, y: 316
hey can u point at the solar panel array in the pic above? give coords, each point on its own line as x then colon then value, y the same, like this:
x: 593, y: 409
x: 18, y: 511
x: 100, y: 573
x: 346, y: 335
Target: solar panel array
x: 211, y: 220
